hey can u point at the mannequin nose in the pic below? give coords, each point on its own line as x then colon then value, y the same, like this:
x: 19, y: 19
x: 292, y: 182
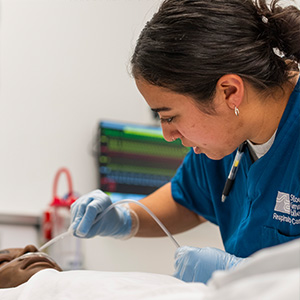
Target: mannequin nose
x: 29, y: 248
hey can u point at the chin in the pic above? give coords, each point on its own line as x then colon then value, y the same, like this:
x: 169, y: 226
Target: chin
x: 211, y: 155
x: 215, y: 157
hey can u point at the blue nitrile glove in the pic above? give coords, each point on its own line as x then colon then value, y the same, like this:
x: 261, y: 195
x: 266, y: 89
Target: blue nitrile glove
x: 197, y: 264
x: 117, y: 222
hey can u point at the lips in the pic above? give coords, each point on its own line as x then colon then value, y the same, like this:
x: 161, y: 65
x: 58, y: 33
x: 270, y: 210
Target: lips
x: 197, y: 150
x: 37, y: 262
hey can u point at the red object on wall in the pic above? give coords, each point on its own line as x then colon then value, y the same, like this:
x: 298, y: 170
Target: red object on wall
x: 57, y: 202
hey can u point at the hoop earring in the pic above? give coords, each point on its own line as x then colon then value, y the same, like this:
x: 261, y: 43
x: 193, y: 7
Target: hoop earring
x: 236, y: 111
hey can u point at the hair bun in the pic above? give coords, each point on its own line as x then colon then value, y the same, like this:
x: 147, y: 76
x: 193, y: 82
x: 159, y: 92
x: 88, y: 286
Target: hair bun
x: 282, y: 28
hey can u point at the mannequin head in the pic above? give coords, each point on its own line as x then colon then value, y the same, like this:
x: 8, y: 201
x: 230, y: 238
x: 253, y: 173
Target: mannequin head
x: 17, y: 265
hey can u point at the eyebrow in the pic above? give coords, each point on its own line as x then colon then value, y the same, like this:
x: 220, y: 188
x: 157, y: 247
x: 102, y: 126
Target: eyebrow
x: 159, y: 109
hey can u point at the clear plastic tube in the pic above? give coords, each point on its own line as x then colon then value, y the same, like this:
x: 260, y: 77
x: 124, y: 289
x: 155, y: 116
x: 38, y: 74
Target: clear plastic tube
x: 55, y: 239
x: 125, y: 201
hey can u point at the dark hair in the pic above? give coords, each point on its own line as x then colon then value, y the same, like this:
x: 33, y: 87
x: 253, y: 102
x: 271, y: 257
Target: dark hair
x: 188, y: 45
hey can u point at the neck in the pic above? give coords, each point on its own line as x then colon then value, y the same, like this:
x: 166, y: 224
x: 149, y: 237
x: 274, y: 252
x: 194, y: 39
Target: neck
x: 265, y: 113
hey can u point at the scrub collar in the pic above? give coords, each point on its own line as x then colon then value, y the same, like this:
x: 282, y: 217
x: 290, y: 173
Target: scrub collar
x: 262, y: 149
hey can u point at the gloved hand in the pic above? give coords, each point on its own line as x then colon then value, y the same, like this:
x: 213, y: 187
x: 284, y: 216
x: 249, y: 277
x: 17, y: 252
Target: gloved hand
x: 197, y: 264
x: 117, y: 222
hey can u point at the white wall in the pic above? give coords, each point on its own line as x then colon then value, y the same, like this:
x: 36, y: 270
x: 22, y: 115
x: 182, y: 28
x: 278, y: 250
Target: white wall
x: 17, y: 236
x: 63, y: 68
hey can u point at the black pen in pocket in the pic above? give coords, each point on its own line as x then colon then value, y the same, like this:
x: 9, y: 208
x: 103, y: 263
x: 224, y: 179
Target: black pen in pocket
x: 233, y: 170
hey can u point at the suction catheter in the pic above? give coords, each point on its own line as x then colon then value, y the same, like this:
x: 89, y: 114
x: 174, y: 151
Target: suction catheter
x: 125, y: 201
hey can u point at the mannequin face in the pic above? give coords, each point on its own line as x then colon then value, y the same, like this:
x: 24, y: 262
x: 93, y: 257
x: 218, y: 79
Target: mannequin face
x: 14, y: 272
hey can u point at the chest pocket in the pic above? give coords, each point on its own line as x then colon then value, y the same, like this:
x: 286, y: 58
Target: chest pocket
x: 272, y: 237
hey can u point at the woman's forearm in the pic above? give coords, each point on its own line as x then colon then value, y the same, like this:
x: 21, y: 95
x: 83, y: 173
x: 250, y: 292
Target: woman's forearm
x: 174, y: 216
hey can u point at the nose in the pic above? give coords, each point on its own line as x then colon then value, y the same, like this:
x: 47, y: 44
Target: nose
x: 170, y: 135
x: 29, y: 248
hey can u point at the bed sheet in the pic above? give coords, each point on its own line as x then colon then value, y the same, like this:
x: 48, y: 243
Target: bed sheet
x: 91, y: 285
x: 272, y: 273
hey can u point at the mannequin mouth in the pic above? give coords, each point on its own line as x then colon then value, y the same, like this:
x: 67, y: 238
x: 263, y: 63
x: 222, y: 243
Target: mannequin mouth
x: 31, y: 260
x: 37, y: 261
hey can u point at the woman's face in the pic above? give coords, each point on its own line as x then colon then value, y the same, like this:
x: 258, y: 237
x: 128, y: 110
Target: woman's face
x: 213, y: 134
x: 14, y: 273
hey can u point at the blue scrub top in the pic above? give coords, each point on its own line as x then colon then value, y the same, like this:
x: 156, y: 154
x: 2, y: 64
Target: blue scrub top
x: 263, y: 206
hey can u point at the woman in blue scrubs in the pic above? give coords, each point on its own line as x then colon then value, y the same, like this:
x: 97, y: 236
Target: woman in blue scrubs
x: 219, y: 74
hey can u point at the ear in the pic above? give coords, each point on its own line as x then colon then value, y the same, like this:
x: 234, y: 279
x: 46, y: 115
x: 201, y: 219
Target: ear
x: 232, y: 89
